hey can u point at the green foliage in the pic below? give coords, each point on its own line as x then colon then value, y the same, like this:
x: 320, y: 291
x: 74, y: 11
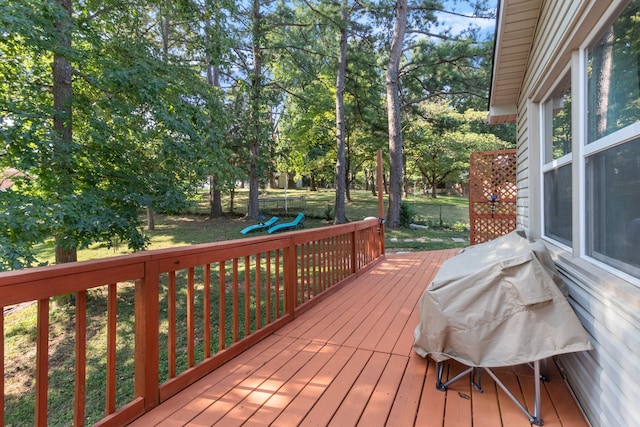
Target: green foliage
x: 147, y: 127
x: 23, y: 220
x: 150, y: 123
x: 328, y: 213
x: 407, y: 214
x: 440, y: 140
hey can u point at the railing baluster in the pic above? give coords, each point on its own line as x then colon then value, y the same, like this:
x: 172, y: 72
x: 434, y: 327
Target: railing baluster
x: 112, y: 295
x: 81, y: 359
x: 267, y: 286
x: 321, y: 259
x: 308, y: 258
x: 2, y: 367
x: 353, y: 252
x: 42, y: 362
x: 258, y: 293
x: 278, y: 311
x: 222, y: 307
x: 301, y: 274
x: 235, y: 300
x: 335, y: 255
x: 206, y: 315
x: 191, y: 335
x: 171, y: 327
x: 247, y: 296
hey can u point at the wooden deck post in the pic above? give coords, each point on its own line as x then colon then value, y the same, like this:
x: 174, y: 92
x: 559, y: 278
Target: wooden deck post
x: 290, y: 277
x: 147, y: 337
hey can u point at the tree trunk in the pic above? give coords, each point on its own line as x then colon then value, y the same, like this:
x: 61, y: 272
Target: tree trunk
x: 256, y: 96
x: 393, y: 112
x: 213, y: 79
x: 405, y: 183
x: 232, y: 199
x: 215, y: 200
x: 602, y: 69
x: 348, y: 180
x: 372, y: 184
x: 340, y: 178
x: 63, y: 123
x: 151, y: 224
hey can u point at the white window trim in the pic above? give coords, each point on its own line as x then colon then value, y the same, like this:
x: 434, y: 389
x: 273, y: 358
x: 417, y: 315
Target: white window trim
x: 554, y: 164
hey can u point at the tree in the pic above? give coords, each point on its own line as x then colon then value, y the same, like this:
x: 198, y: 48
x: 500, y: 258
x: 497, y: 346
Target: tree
x: 340, y: 216
x: 393, y: 109
x: 114, y: 125
x: 440, y: 141
x: 416, y: 79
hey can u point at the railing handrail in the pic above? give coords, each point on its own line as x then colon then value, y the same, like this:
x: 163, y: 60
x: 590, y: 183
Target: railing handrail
x: 306, y: 263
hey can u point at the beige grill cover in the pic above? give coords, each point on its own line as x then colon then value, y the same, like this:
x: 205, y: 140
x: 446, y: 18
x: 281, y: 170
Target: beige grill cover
x: 498, y: 303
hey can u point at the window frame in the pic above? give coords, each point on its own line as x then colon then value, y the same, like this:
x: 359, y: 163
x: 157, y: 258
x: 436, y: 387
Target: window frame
x: 546, y: 119
x: 583, y: 149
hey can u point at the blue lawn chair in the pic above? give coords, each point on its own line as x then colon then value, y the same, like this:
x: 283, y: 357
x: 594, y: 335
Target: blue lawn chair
x: 260, y: 226
x: 297, y: 222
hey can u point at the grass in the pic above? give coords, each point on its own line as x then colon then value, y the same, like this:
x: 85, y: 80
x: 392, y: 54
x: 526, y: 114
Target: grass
x: 445, y: 217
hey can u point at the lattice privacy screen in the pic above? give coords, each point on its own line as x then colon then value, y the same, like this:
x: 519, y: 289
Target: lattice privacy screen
x: 492, y: 194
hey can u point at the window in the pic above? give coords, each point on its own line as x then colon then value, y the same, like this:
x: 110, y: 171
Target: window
x: 557, y: 204
x: 612, y: 149
x: 613, y: 206
x: 557, y: 200
x: 613, y: 76
x: 557, y: 112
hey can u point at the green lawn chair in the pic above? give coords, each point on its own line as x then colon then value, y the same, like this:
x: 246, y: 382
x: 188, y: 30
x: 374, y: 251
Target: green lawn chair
x: 260, y: 226
x: 297, y: 222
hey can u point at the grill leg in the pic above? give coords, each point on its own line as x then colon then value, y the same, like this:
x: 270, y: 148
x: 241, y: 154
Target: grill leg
x: 535, y: 417
x: 444, y: 386
x: 440, y: 371
x: 477, y: 383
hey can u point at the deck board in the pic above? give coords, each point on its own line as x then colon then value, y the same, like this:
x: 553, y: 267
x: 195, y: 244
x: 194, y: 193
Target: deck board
x: 349, y: 361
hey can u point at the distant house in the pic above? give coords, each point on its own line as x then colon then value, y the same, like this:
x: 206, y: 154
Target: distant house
x: 567, y: 72
x: 7, y: 177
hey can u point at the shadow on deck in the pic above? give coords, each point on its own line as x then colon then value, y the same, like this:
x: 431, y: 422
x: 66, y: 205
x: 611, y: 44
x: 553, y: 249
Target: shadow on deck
x: 349, y: 361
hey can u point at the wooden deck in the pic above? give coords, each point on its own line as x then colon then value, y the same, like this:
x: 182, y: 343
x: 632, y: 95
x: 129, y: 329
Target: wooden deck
x: 349, y: 361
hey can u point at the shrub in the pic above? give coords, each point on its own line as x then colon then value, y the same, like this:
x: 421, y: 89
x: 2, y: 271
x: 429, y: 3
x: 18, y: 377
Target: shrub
x: 328, y: 213
x: 406, y: 214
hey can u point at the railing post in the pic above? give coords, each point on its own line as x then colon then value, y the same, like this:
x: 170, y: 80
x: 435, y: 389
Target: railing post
x: 146, y: 339
x: 290, y: 277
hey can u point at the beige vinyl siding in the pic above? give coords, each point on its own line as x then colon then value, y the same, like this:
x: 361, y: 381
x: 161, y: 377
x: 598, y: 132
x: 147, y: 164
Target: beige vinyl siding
x: 522, y: 172
x: 606, y: 381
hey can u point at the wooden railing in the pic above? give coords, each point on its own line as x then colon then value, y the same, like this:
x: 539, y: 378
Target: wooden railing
x: 173, y: 315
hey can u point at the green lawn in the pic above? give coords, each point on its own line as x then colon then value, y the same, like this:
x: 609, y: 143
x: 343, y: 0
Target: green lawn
x: 446, y: 217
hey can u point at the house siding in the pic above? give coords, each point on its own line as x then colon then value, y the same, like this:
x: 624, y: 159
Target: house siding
x: 606, y: 381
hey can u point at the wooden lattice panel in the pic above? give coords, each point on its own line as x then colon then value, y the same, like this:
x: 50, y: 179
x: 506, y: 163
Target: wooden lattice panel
x: 492, y: 194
